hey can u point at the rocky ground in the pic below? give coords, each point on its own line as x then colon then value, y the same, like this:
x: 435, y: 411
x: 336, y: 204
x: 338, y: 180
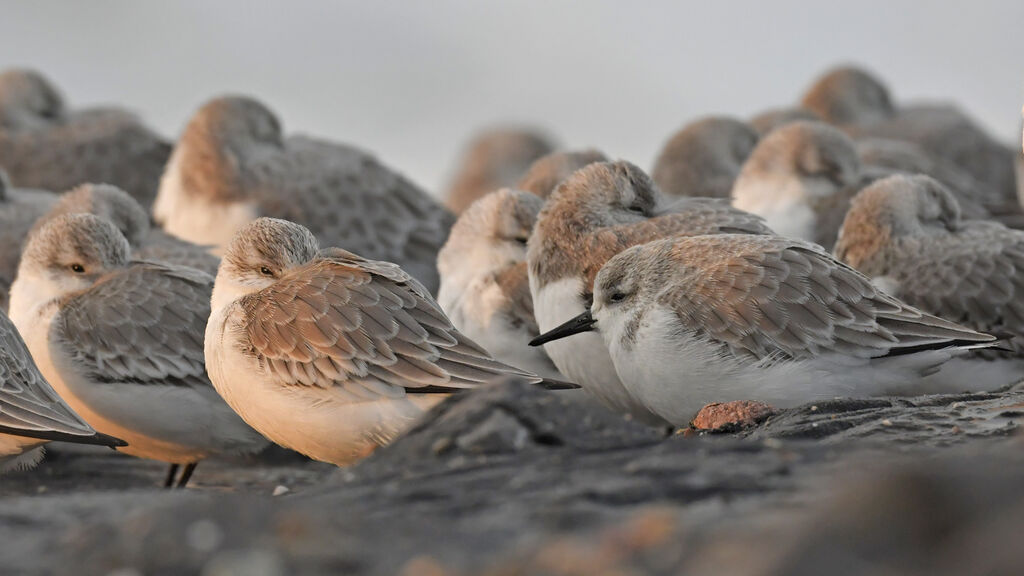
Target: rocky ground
x: 515, y: 480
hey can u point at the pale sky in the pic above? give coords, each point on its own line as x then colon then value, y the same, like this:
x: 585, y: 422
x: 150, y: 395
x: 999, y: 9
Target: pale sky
x: 411, y: 80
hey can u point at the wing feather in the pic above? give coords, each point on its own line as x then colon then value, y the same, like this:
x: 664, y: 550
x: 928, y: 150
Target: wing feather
x: 768, y: 296
x: 143, y: 324
x: 364, y: 326
x: 27, y: 401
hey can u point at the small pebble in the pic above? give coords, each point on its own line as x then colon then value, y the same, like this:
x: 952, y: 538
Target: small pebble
x: 280, y: 489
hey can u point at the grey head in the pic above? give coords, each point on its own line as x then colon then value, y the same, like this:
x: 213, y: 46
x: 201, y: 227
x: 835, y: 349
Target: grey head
x: 28, y: 100
x: 627, y: 284
x: 547, y: 172
x: 704, y: 157
x: 503, y: 216
x: 493, y: 159
x: 264, y: 250
x: 849, y: 95
x: 892, y: 208
x: 774, y: 118
x: 816, y: 153
x: 108, y: 202
x: 72, y: 251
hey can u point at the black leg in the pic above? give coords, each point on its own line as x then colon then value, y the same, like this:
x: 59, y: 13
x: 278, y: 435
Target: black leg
x: 187, y: 473
x: 170, y: 476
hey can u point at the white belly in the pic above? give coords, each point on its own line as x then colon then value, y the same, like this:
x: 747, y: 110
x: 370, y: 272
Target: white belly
x: 787, y: 214
x: 477, y: 310
x: 583, y: 358
x: 323, y: 424
x: 195, y: 219
x: 168, y: 423
x: 676, y: 376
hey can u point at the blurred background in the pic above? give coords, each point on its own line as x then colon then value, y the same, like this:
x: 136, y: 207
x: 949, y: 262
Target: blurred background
x: 411, y: 81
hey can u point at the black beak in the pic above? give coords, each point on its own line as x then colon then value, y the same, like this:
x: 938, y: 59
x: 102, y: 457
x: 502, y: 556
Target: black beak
x: 582, y: 323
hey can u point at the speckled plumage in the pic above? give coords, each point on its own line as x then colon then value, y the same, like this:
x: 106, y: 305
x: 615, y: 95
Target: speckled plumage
x: 326, y: 352
x: 598, y: 212
x: 122, y: 341
x: 45, y: 145
x: 700, y: 319
x: 908, y: 231
x: 233, y: 160
x: 860, y: 103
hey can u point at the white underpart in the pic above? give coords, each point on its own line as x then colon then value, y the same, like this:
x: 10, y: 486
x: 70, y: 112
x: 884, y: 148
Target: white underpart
x: 194, y: 217
x: 781, y: 203
x: 322, y: 423
x: 583, y: 358
x: 177, y: 424
x: 476, y: 305
x: 19, y: 453
x: 675, y: 375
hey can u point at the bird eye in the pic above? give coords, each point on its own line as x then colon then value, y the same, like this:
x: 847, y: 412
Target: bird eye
x: 617, y: 297
x: 78, y: 269
x: 636, y: 209
x: 522, y: 241
x: 266, y: 271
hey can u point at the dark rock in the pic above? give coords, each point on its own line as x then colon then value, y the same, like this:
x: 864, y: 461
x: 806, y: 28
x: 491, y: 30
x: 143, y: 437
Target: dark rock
x: 512, y: 479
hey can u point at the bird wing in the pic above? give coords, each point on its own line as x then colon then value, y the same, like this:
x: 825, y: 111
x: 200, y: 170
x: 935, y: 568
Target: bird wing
x: 349, y: 199
x: 363, y: 327
x: 774, y: 297
x: 97, y: 145
x: 975, y: 276
x: 27, y: 401
x: 141, y: 325
x: 683, y: 217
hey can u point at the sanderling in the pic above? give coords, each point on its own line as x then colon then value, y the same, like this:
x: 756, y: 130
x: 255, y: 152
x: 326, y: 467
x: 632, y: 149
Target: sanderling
x: 485, y: 290
x: 547, y: 172
x: 45, y: 145
x: 906, y: 233
x: 694, y: 320
x: 328, y: 353
x: 31, y: 412
x: 493, y: 159
x: 122, y: 342
x: 859, y: 102
x: 233, y: 165
x: 704, y: 157
x: 598, y: 212
x: 19, y: 209
x: 900, y: 157
x: 773, y: 118
x: 800, y: 178
x: 146, y: 241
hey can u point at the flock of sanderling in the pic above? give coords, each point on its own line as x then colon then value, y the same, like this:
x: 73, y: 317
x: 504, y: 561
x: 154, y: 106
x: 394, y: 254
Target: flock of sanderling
x: 245, y: 287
